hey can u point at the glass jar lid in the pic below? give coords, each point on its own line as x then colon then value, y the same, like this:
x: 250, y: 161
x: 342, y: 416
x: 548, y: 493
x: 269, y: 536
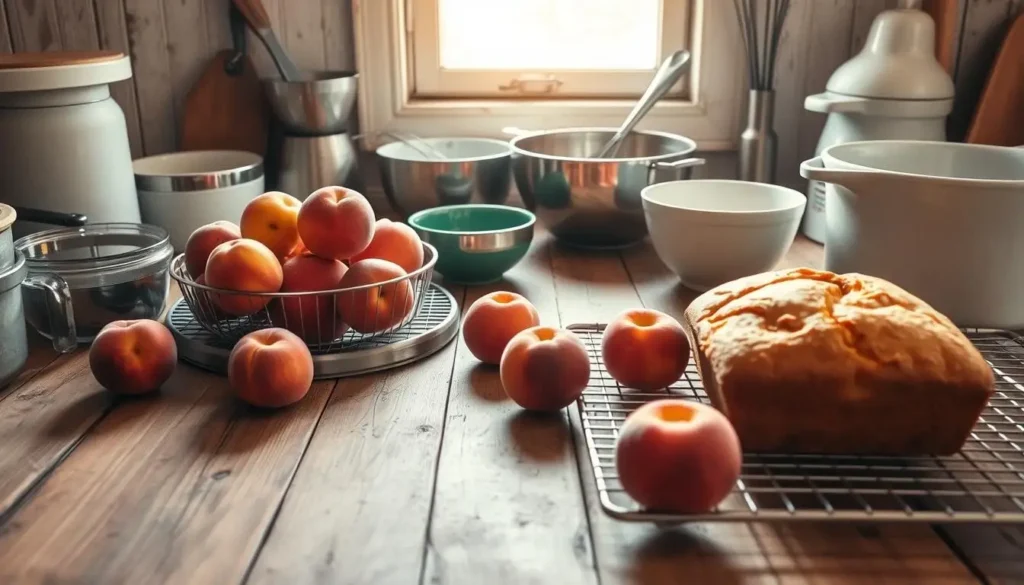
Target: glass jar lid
x: 97, y: 254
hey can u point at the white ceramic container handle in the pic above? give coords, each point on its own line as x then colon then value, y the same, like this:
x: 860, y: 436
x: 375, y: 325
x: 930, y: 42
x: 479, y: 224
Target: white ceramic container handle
x: 827, y: 103
x: 815, y: 170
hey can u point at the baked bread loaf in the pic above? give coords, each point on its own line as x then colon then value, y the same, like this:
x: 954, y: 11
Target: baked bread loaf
x: 807, y: 361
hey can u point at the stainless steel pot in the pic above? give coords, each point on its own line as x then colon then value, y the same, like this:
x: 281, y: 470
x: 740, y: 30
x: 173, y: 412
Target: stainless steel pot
x: 316, y: 106
x: 593, y: 202
x: 13, y: 338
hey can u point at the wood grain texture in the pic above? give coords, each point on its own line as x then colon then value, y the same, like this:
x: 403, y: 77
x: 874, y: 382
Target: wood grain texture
x: 178, y: 488
x: 225, y: 111
x: 339, y: 41
x: 507, y: 506
x: 792, y: 63
x: 34, y: 25
x: 5, y: 30
x: 303, y: 35
x: 112, y: 30
x: 947, y: 17
x: 358, y: 508
x: 147, y: 36
x: 41, y: 422
x: 77, y: 21
x: 188, y: 48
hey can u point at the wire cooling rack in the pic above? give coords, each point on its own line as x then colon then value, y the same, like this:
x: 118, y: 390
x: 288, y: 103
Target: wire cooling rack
x: 982, y: 483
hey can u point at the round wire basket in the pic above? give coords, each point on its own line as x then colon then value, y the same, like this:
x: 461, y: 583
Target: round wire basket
x: 328, y: 321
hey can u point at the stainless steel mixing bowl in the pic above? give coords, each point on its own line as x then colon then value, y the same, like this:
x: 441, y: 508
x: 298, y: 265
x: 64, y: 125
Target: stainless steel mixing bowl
x: 592, y: 202
x: 318, y: 105
x: 473, y: 170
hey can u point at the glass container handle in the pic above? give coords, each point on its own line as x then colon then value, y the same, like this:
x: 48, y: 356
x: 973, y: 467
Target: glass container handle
x: 58, y: 309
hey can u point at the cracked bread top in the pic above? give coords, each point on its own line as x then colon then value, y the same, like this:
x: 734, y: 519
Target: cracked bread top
x: 800, y: 324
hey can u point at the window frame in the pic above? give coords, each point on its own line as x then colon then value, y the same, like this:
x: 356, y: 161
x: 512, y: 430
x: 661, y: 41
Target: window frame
x: 710, y: 114
x: 430, y: 80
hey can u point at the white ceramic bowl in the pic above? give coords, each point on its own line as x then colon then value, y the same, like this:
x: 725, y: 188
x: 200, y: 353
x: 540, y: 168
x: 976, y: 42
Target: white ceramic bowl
x: 709, y: 232
x: 182, y: 191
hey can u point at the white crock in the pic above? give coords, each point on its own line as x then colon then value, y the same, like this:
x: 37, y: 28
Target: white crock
x: 942, y: 220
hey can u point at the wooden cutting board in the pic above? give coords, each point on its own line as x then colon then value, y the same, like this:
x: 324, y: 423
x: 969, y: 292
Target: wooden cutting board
x: 227, y: 109
x: 999, y: 118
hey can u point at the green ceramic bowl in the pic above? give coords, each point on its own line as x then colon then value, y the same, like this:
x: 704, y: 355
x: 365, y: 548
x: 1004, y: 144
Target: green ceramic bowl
x: 476, y: 243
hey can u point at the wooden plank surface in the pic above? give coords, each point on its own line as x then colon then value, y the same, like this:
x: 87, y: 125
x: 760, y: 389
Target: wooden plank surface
x: 358, y: 509
x: 597, y: 287
x: 147, y: 37
x: 177, y: 488
x: 188, y: 49
x: 507, y: 505
x: 112, y: 29
x: 33, y: 25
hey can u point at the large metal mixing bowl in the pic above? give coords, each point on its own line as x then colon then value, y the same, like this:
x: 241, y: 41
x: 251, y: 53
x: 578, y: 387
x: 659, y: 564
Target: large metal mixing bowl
x: 431, y: 172
x: 592, y: 202
x: 318, y: 105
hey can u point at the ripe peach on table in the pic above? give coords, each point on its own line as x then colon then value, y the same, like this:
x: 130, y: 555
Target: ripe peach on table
x: 645, y: 349
x: 272, y: 219
x: 202, y: 242
x: 335, y: 222
x: 395, y: 242
x: 678, y: 456
x: 493, y: 320
x: 133, y: 357
x: 243, y: 265
x: 544, y: 368
x: 375, y: 308
x: 314, y: 318
x: 270, y: 368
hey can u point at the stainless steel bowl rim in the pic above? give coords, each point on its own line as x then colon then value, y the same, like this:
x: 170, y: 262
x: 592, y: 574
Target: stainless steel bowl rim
x: 514, y: 143
x: 157, y: 251
x: 14, y: 275
x: 528, y: 215
x: 199, y: 181
x: 321, y: 80
x: 451, y: 159
x: 430, y: 259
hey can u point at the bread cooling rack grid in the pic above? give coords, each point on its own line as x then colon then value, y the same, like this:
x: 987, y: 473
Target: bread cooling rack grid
x: 984, y: 483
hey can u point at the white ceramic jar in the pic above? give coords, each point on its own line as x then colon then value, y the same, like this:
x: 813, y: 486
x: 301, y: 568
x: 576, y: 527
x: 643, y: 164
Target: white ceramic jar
x: 63, y: 139
x: 182, y: 191
x: 893, y: 89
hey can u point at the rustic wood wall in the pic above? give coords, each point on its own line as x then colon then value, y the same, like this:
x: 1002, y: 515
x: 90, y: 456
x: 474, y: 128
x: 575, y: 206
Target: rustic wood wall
x: 172, y: 40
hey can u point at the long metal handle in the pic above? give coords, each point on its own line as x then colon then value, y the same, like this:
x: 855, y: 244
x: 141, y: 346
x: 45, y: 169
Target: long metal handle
x: 256, y: 15
x: 50, y: 217
x: 58, y: 309
x: 678, y: 167
x: 667, y: 75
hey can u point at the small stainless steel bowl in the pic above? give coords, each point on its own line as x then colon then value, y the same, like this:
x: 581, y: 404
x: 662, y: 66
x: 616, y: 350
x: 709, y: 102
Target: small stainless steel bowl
x: 315, y: 106
x: 474, y: 170
x: 593, y: 202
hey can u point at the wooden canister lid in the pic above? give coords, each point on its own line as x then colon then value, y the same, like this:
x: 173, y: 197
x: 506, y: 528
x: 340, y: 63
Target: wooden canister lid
x: 7, y: 216
x: 56, y: 59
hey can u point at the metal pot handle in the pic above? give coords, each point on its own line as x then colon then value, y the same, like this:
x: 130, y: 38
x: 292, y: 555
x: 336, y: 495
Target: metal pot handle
x: 679, y: 167
x: 58, y: 309
x: 814, y: 170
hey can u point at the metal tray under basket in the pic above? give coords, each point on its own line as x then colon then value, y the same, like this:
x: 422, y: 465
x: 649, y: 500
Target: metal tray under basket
x: 434, y: 326
x: 983, y: 483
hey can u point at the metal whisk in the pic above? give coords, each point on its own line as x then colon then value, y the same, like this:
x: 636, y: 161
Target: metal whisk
x: 761, y: 30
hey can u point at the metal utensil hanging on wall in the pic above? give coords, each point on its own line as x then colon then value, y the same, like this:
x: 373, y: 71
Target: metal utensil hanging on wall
x: 761, y: 30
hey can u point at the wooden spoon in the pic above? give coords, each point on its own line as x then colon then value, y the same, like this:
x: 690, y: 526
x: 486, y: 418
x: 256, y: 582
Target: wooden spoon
x: 256, y: 15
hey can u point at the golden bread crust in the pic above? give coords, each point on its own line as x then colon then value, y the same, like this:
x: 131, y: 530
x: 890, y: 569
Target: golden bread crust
x: 820, y: 342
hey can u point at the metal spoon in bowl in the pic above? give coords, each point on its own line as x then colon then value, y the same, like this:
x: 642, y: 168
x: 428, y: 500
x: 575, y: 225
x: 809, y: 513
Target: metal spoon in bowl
x: 667, y: 75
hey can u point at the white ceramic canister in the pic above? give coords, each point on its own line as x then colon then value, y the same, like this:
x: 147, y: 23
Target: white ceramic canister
x: 183, y: 191
x: 894, y: 89
x: 63, y: 139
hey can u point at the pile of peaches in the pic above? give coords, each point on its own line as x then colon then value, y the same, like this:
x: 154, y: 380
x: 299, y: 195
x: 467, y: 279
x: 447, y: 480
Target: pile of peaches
x: 329, y: 241
x: 671, y: 454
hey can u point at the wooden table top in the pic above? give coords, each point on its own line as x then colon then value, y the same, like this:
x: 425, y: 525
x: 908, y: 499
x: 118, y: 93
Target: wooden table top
x: 422, y: 474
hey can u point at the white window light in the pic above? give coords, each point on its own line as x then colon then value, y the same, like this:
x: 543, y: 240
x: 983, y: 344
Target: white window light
x: 475, y: 67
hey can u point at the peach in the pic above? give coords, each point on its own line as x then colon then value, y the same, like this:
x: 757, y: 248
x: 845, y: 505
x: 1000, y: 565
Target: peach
x: 493, y: 320
x: 379, y: 307
x: 335, y: 222
x: 645, y: 349
x: 245, y: 266
x: 544, y: 368
x: 272, y: 220
x: 677, y: 456
x: 133, y: 357
x: 395, y: 242
x: 270, y: 368
x: 314, y: 318
x: 202, y: 242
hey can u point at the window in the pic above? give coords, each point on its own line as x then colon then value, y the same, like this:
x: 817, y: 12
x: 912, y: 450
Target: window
x: 476, y: 67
